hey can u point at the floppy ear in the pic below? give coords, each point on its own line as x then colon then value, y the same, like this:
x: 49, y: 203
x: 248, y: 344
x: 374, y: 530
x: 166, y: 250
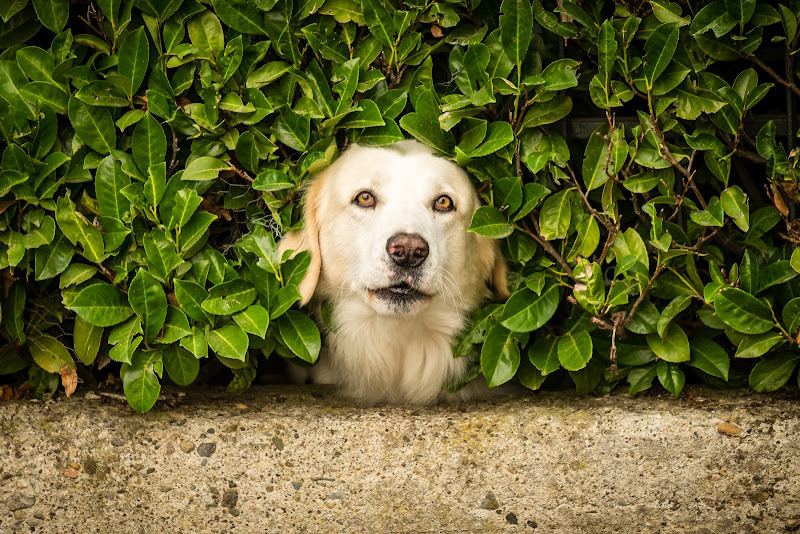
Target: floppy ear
x: 307, y: 239
x: 493, y: 266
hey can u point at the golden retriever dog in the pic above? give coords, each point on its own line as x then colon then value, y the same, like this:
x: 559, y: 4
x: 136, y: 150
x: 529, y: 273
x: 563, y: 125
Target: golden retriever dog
x: 387, y: 232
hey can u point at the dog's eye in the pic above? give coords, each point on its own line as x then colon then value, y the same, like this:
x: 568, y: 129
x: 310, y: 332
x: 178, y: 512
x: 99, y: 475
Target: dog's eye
x: 365, y: 199
x: 443, y: 204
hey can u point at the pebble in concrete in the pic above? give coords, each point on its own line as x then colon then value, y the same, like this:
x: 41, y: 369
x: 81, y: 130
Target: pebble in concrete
x: 490, y: 502
x: 20, y: 501
x: 206, y: 449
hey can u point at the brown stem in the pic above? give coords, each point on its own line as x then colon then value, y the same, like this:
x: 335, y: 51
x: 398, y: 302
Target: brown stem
x: 775, y: 76
x: 667, y: 153
x: 547, y: 246
x: 173, y: 161
x: 642, y: 295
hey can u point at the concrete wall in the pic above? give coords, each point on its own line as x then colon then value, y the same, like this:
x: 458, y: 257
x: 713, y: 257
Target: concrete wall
x: 286, y: 459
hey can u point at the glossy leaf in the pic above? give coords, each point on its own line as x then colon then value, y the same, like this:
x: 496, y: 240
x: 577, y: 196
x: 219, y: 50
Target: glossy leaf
x: 102, y: 305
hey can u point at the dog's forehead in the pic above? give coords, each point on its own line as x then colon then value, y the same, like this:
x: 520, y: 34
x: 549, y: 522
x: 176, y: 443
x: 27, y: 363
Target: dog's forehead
x: 410, y: 168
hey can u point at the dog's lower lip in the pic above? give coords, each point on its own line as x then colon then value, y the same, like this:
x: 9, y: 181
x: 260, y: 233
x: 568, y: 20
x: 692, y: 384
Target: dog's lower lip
x: 401, y: 291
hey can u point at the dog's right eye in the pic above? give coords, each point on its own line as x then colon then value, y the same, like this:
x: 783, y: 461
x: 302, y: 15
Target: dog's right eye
x: 365, y: 199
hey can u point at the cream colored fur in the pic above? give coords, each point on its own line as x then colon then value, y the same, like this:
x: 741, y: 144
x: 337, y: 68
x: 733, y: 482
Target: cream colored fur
x: 375, y: 353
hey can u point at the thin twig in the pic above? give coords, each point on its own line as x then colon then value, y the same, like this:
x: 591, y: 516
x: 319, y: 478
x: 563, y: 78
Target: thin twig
x: 537, y: 236
x: 775, y: 76
x: 642, y: 295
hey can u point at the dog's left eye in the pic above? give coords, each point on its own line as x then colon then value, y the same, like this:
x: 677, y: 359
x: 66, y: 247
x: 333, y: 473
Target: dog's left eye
x: 443, y: 204
x: 365, y: 199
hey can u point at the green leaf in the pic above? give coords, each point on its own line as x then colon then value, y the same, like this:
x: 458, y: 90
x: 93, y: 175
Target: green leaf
x: 147, y: 298
x: 240, y: 15
x: 499, y: 134
x: 75, y: 274
x: 46, y: 94
x: 596, y: 163
x: 543, y: 354
x: 516, y: 28
x: 109, y: 181
x: 525, y: 311
x: 672, y: 347
x: 229, y: 297
x: 205, y: 32
x: 204, y: 168
x: 86, y: 339
x: 49, y: 353
x: 13, y: 308
x: 735, y: 204
x: 775, y: 273
x: 743, y: 312
x: 606, y: 50
x: 186, y: 203
x: 489, y: 222
x: 300, y: 334
x: 475, y: 331
x: 140, y: 381
x: 293, y: 130
x: 10, y: 8
x: 548, y: 112
x: 671, y: 377
x: 196, y: 343
x: 102, y: 304
x: 190, y: 297
x: 52, y: 259
x: 560, y: 74
x: 758, y: 344
x: 53, y: 14
x: 149, y: 143
x: 774, y: 371
x: 79, y: 230
x: 94, y: 125
x: 658, y: 50
x: 134, y: 59
x: 125, y: 338
x: 641, y: 378
x: 555, y: 215
x: 176, y: 326
x: 500, y: 356
x: 273, y: 180
x: 713, y: 215
x: 161, y: 255
x: 575, y: 350
x: 677, y: 305
x: 230, y: 341
x: 182, y: 367
x: 741, y: 10
x: 709, y: 357
x: 379, y: 21
x: 425, y: 128
x: 253, y: 320
x: 267, y: 74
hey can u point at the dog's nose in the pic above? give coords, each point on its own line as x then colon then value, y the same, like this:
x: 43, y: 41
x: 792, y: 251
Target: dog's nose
x: 407, y: 250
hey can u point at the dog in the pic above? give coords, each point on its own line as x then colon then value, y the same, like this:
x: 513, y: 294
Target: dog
x: 387, y: 231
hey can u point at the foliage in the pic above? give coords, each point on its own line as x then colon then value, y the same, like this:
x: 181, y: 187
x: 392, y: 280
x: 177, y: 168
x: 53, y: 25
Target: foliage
x: 152, y: 151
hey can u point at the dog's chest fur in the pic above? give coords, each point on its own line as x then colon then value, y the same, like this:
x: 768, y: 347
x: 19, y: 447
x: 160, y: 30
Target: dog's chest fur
x: 396, y: 359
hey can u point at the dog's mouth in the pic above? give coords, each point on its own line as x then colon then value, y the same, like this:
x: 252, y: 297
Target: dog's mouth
x: 401, y: 292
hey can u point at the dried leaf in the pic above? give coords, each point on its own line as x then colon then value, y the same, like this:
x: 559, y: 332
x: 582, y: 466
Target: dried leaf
x: 69, y: 379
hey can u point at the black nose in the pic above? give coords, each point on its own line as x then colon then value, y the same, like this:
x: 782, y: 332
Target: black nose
x: 407, y: 250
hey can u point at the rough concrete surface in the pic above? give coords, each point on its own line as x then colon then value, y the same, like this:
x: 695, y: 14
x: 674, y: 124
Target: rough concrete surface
x: 288, y: 459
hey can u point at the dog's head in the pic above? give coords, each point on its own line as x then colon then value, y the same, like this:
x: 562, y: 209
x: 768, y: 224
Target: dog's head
x: 389, y: 226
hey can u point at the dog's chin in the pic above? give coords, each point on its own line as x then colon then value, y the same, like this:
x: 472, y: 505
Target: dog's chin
x: 397, y: 299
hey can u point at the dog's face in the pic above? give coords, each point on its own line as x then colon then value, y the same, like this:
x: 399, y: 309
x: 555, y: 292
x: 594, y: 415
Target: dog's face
x: 388, y: 226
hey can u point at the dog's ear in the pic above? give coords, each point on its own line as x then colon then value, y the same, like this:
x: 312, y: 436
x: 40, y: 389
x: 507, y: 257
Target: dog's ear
x: 307, y: 239
x: 493, y: 266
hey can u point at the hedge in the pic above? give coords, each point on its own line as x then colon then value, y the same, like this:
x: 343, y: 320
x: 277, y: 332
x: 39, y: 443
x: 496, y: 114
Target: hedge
x: 153, y: 150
